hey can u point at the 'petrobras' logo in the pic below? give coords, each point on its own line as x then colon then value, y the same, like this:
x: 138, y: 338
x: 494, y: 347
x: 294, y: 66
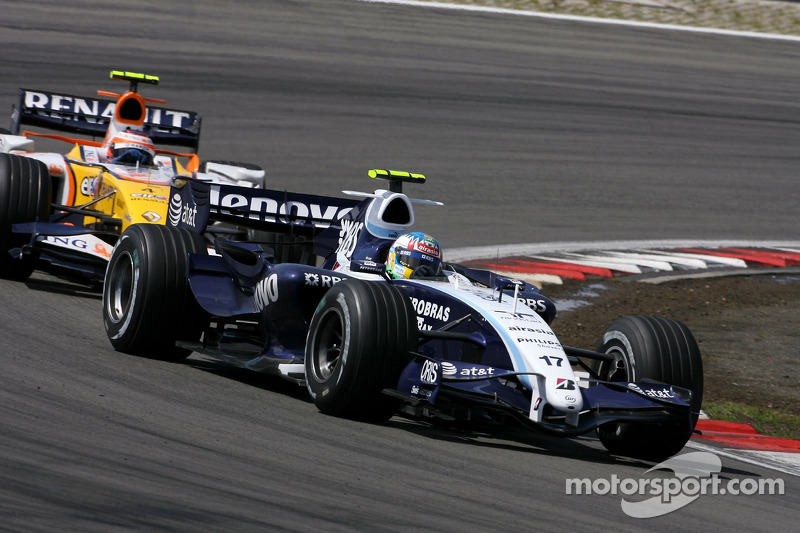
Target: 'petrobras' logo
x: 429, y: 309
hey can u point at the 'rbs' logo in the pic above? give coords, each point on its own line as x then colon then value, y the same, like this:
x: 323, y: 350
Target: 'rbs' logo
x: 181, y: 213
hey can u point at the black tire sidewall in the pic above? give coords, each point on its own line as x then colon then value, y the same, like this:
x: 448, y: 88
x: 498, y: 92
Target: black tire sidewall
x: 378, y: 334
x: 160, y: 309
x: 663, y: 350
x: 657, y: 348
x: 119, y: 325
x: 24, y: 197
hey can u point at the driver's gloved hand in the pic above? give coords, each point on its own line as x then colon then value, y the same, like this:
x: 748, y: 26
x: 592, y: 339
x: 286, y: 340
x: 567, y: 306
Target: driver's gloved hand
x: 424, y: 271
x: 131, y: 156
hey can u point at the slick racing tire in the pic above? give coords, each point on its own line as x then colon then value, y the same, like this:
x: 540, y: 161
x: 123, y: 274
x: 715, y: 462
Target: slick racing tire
x: 360, y: 339
x: 651, y: 348
x: 147, y: 304
x: 24, y: 197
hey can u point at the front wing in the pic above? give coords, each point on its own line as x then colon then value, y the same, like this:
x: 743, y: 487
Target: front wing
x: 454, y: 390
x: 67, y: 248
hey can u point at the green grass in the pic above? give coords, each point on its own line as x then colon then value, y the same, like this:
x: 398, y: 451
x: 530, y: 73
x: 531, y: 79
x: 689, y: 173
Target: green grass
x: 765, y: 421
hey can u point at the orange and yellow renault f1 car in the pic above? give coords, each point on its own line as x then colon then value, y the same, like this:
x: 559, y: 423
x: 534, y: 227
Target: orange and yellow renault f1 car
x: 64, y: 212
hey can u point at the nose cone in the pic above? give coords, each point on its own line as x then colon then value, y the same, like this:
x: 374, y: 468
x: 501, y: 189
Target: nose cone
x: 563, y: 395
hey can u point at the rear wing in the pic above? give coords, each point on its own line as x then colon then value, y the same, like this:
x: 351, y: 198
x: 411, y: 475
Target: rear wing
x: 91, y: 116
x: 193, y: 204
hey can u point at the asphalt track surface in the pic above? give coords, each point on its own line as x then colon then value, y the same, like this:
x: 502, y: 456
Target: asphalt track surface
x: 530, y: 131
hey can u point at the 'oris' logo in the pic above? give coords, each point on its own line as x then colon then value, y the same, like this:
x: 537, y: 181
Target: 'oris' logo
x: 429, y: 372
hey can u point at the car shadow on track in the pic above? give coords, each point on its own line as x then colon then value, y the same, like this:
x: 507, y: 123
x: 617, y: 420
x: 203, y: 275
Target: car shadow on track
x: 586, y: 448
x: 263, y: 381
x: 55, y: 285
x: 513, y: 437
x: 495, y: 436
x: 516, y: 438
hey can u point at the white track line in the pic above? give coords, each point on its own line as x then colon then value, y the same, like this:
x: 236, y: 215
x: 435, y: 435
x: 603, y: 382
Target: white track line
x: 597, y: 20
x: 577, y: 259
x: 729, y: 261
x: 786, y: 463
x: 665, y: 256
x: 532, y: 249
x: 636, y: 261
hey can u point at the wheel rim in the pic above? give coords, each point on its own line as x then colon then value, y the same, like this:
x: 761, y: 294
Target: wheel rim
x: 616, y: 370
x: 120, y: 283
x: 327, y: 352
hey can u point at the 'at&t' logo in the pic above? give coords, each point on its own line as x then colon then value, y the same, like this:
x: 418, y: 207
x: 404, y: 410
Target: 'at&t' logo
x: 181, y: 213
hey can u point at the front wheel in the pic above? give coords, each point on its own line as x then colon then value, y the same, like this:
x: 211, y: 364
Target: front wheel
x: 147, y: 305
x: 24, y: 197
x: 651, y: 348
x: 360, y: 339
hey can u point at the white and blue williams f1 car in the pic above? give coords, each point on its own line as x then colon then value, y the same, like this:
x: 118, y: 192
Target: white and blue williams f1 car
x: 457, y: 344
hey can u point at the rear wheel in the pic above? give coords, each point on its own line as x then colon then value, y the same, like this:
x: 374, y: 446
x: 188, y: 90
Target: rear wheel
x: 360, y: 339
x: 651, y: 348
x: 24, y: 197
x: 147, y: 304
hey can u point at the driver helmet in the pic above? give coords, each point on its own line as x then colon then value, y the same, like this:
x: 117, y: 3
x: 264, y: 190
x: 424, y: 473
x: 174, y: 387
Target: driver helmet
x: 412, y: 251
x: 131, y: 147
